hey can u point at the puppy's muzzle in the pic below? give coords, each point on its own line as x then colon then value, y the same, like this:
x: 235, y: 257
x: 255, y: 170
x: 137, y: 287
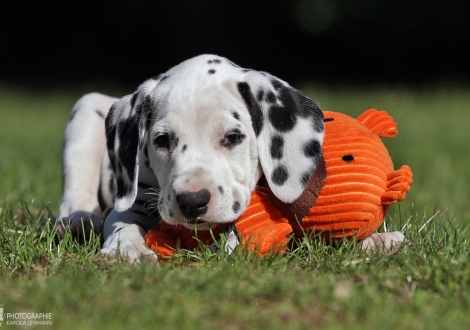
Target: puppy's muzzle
x: 193, y: 204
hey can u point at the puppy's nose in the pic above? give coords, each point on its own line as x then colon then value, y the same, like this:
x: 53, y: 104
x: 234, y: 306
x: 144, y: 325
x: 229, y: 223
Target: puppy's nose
x: 193, y: 204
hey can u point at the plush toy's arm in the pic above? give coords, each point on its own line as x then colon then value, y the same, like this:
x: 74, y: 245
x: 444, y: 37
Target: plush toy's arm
x: 271, y: 239
x: 398, y: 184
x: 263, y: 228
x: 161, y: 244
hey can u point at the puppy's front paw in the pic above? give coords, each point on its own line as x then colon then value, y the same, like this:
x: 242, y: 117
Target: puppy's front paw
x: 383, y: 241
x: 81, y: 225
x: 130, y: 254
x: 128, y: 244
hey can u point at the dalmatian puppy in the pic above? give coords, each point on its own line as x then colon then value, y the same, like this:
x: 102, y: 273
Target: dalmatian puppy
x: 188, y: 146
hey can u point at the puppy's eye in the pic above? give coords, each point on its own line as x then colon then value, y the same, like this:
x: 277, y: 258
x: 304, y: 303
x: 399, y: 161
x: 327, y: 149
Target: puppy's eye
x: 162, y: 141
x: 232, y: 139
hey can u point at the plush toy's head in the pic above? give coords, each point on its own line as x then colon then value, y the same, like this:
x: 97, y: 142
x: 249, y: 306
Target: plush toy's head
x: 347, y: 196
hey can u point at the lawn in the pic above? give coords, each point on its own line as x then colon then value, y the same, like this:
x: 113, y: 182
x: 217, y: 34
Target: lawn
x: 423, y: 285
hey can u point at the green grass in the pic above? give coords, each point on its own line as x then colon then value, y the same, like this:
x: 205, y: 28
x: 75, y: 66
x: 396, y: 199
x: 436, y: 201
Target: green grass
x: 423, y: 285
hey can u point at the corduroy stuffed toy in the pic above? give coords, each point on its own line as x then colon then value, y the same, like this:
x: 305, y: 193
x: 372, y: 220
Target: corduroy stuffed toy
x: 347, y: 196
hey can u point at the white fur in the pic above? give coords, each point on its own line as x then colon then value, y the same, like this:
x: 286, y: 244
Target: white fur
x: 84, y: 156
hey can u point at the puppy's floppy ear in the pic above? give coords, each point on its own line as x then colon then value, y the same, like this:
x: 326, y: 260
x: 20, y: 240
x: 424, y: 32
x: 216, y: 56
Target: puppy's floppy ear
x: 126, y: 125
x: 289, y: 130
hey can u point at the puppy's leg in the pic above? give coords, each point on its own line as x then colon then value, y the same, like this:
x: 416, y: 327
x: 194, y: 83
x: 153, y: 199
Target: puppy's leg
x: 383, y: 241
x: 84, y: 152
x: 124, y: 234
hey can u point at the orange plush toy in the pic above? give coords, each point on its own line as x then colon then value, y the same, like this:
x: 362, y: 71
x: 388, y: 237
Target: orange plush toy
x: 347, y: 196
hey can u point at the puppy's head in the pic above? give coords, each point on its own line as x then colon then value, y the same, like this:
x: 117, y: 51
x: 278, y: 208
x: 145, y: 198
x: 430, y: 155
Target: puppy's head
x: 211, y: 130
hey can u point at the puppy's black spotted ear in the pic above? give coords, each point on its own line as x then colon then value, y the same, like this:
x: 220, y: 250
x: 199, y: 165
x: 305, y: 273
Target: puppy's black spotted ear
x: 289, y: 130
x: 125, y: 131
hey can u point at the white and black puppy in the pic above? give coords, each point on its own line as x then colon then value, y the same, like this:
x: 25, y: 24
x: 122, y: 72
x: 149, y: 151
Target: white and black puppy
x: 188, y: 146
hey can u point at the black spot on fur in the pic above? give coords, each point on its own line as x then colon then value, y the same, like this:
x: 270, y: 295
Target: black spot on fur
x: 246, y: 70
x: 260, y: 95
x: 348, y: 158
x: 271, y: 97
x: 312, y: 148
x: 328, y: 119
x: 282, y: 118
x: 112, y: 186
x: 277, y: 84
x: 144, y: 113
x: 168, y: 197
x: 101, y: 200
x: 312, y: 109
x: 253, y: 107
x: 171, y: 213
x: 279, y: 175
x: 175, y: 143
x: 121, y: 187
x: 148, y: 120
x: 164, y: 78
x: 236, y: 207
x: 235, y: 115
x: 304, y: 178
x: 211, y: 71
x: 221, y: 189
x: 128, y: 133
x: 99, y: 113
x: 216, y: 61
x: 133, y: 99
x: 111, y: 130
x: 184, y: 148
x: 110, y: 133
x: 294, y: 104
x: 277, y: 146
x: 307, y: 108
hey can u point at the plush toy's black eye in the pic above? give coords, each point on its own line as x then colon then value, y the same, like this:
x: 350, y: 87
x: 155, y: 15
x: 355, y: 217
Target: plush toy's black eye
x: 232, y: 139
x: 162, y: 141
x: 348, y: 158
